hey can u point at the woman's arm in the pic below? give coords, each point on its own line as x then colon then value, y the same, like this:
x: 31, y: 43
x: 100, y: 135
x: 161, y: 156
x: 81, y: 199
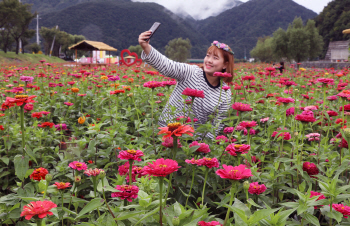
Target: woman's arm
x: 169, y: 68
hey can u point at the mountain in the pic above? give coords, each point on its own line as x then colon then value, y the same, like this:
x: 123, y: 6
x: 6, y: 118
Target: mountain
x: 241, y: 26
x: 334, y: 18
x: 119, y: 23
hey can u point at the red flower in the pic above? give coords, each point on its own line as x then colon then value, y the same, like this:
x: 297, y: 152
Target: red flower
x: 224, y: 75
x: 193, y: 93
x: 39, y: 174
x: 310, y: 168
x: 2, y: 127
x: 345, y: 210
x: 340, y: 121
x: 332, y: 113
x: 152, y: 84
x: 161, y: 167
x: 285, y: 135
x: 233, y: 149
x: 305, y: 118
x: 176, y: 129
x: 19, y: 100
x: 321, y: 196
x: 234, y: 173
x: 37, y: 115
x: 128, y: 192
x: 39, y: 208
x: 255, y: 188
x: 131, y: 155
x: 62, y: 185
x: 208, y: 162
x: 46, y: 124
x: 241, y: 107
x: 346, y: 107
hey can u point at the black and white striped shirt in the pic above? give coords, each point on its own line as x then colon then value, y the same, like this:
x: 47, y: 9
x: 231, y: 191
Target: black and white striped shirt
x: 189, y: 76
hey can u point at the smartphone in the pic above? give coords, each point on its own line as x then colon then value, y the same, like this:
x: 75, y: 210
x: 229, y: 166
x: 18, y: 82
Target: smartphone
x: 153, y: 29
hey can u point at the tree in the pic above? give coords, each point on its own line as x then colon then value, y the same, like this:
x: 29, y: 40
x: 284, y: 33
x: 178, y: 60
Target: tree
x: 178, y: 49
x: 280, y: 44
x: 263, y: 49
x: 316, y: 40
x: 298, y: 43
x: 136, y: 49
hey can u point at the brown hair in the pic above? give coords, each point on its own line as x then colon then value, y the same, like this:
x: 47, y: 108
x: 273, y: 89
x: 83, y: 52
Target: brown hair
x: 228, y: 57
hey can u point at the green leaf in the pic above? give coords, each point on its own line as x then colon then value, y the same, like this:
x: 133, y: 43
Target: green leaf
x: 239, y: 212
x: 148, y: 214
x: 30, y: 153
x: 5, y: 159
x: 251, y: 202
x: 335, y: 215
x: 127, y: 215
x: 261, y: 214
x: 312, y: 219
x: 21, y: 166
x: 92, y: 205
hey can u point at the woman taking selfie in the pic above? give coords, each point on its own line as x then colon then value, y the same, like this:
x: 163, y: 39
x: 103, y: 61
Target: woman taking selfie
x: 219, y: 58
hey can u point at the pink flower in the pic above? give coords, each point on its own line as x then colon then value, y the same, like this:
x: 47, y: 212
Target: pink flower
x: 193, y: 93
x: 345, y: 210
x: 38, y: 208
x: 311, y: 108
x: 305, y: 118
x: 211, y: 223
x: 233, y: 149
x: 209, y: 162
x: 192, y: 161
x: 169, y: 142
x: 152, y: 84
x: 247, y: 124
x: 263, y: 120
x: 228, y: 130
x: 226, y: 88
x: 285, y: 100
x: 321, y: 196
x: 221, y: 138
x: 93, y: 172
x: 204, y: 148
x: 224, y: 75
x: 331, y: 98
x: 241, y: 107
x: 68, y: 103
x: 161, y: 167
x: 285, y: 135
x: 128, y: 192
x: 255, y: 188
x: 234, y: 173
x: 136, y: 171
x: 326, y: 81
x: 313, y: 136
x: 290, y: 111
x: 78, y: 165
x: 131, y: 155
x: 310, y: 168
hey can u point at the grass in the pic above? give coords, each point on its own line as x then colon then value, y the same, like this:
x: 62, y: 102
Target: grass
x: 12, y: 57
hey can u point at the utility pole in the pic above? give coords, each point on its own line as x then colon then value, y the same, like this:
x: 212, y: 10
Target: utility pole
x: 20, y: 41
x: 245, y: 55
x: 37, y: 29
x: 53, y: 42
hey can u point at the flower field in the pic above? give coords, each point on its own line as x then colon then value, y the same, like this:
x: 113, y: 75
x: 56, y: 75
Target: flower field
x: 82, y: 146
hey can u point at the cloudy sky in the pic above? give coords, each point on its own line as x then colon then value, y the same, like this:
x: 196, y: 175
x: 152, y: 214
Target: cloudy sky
x: 201, y: 9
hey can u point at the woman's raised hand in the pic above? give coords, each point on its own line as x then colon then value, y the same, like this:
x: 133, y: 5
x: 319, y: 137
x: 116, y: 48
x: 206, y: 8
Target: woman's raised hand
x: 145, y: 44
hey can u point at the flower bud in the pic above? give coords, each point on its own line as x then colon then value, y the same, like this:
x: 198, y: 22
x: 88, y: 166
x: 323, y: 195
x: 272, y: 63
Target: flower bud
x: 246, y: 185
x: 102, y: 174
x: 77, y: 179
x: 48, y: 178
x: 176, y: 221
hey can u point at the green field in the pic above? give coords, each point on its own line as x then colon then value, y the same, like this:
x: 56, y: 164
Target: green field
x: 11, y: 57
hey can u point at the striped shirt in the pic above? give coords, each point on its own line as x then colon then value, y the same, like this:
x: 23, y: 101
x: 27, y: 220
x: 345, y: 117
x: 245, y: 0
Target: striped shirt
x: 190, y: 76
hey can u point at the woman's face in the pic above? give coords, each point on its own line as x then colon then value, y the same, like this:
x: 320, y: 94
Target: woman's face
x: 213, y: 63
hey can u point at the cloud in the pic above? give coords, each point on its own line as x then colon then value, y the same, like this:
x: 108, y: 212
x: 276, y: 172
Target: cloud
x: 201, y: 9
x: 198, y: 11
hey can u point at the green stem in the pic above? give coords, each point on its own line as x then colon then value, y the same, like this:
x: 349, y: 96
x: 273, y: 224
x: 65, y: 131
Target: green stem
x: 189, y: 112
x: 161, y: 179
x: 47, y: 184
x: 70, y: 202
x: 189, y: 194
x: 169, y: 186
x: 38, y: 222
x: 130, y: 171
x: 104, y: 197
x: 231, y: 200
x: 22, y: 128
x: 154, y: 146
x: 205, y: 181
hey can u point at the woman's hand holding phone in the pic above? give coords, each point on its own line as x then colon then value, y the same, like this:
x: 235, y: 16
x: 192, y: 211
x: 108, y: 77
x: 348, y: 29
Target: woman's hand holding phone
x: 145, y: 44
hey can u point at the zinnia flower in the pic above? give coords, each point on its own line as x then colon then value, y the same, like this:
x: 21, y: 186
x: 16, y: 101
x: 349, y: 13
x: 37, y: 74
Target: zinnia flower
x: 176, y: 129
x: 169, y: 142
x: 247, y: 124
x: 224, y: 75
x: 26, y: 78
x: 255, y: 188
x: 46, y: 124
x: 161, y: 167
x: 341, y: 208
x: 285, y: 135
x: 233, y: 149
x: 241, y: 107
x: 128, y: 192
x: 19, y: 100
x: 81, y: 120
x: 234, y: 172
x: 211, y: 223
x: 136, y: 171
x: 305, y: 118
x: 285, y: 100
x: 152, y: 84
x: 78, y: 165
x: 192, y: 161
x: 37, y: 115
x: 204, y: 148
x: 61, y: 126
x: 39, y: 174
x: 321, y: 196
x: 326, y: 81
x: 62, y: 185
x: 93, y: 172
x: 310, y: 168
x: 38, y: 208
x: 208, y: 162
x: 131, y: 155
x: 193, y: 93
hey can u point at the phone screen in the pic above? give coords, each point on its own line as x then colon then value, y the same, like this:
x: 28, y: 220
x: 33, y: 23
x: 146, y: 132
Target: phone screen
x: 153, y: 29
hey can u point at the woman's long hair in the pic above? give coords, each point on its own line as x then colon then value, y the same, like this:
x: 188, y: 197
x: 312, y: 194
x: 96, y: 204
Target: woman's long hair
x: 228, y: 57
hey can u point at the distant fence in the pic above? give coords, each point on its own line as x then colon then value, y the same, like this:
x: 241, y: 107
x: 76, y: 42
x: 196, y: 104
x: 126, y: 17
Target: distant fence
x: 325, y: 64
